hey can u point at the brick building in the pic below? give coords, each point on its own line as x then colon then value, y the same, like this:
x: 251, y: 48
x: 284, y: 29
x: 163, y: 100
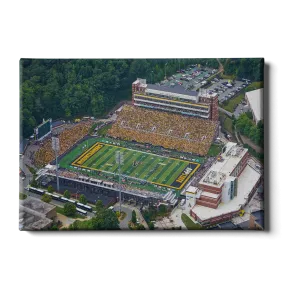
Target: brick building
x: 226, y: 187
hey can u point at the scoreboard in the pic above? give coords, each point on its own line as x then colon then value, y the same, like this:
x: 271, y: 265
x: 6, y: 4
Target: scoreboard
x: 43, y: 130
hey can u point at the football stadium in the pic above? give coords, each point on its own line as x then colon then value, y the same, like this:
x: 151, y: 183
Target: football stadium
x: 163, y: 143
x: 160, y: 148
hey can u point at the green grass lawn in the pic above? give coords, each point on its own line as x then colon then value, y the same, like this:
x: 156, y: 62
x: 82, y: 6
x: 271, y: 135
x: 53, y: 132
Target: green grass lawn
x: 230, y: 77
x: 100, y: 156
x: 214, y: 150
x: 254, y: 86
x: 190, y: 225
x: 22, y: 196
x: 76, y: 216
x: 103, y: 131
x: 228, y: 125
x: 232, y: 103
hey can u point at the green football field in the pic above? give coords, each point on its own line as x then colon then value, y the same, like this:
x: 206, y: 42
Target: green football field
x: 159, y: 170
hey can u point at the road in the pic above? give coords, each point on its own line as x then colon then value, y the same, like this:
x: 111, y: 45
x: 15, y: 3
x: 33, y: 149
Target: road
x: 128, y: 210
x: 226, y: 112
x: 124, y: 222
x: 240, y: 109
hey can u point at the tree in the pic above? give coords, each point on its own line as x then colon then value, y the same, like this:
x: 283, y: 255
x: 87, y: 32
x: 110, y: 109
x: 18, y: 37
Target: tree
x: 34, y: 182
x: 151, y: 226
x: 66, y: 194
x: 139, y: 68
x: 233, y: 119
x: 82, y: 199
x: 50, y: 189
x: 140, y: 227
x: 249, y: 114
x: 134, y: 217
x: 246, y: 130
x: 69, y: 209
x: 99, y: 205
x: 54, y: 228
x: 162, y: 210
x: 46, y: 198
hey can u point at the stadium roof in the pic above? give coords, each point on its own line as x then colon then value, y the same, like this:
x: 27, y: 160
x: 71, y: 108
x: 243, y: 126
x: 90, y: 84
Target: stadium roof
x: 56, y: 124
x: 255, y: 99
x: 176, y: 89
x: 246, y: 182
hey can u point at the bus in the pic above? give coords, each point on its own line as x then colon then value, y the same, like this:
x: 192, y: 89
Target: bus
x: 37, y: 191
x: 63, y: 199
x: 55, y: 197
x: 82, y: 212
x: 84, y: 207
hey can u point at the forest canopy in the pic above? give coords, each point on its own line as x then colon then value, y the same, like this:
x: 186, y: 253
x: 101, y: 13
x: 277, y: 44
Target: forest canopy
x: 67, y: 88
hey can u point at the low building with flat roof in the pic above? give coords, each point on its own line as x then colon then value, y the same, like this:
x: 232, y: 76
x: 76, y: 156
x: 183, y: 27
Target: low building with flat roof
x: 35, y: 214
x: 39, y: 206
x: 247, y: 183
x: 255, y: 101
x: 219, y: 184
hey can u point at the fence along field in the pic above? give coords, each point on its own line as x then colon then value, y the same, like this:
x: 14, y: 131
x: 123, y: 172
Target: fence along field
x: 158, y: 170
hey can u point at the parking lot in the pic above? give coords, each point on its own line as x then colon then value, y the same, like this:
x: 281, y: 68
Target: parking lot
x: 225, y: 89
x: 191, y: 78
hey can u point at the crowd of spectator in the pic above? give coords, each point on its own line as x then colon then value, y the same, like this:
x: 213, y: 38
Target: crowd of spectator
x: 169, y: 130
x: 67, y: 139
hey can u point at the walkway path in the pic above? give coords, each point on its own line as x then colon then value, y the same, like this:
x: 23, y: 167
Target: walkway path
x: 237, y: 136
x: 176, y: 217
x: 226, y: 112
x: 251, y: 144
x: 221, y: 67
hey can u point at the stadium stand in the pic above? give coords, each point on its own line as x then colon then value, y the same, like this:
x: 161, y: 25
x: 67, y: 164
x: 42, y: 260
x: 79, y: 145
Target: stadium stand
x: 164, y: 129
x: 67, y: 139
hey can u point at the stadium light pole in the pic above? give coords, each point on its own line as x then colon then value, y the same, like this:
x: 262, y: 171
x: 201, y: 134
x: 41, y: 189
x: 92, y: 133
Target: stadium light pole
x: 55, y: 147
x: 57, y: 179
x: 120, y: 161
